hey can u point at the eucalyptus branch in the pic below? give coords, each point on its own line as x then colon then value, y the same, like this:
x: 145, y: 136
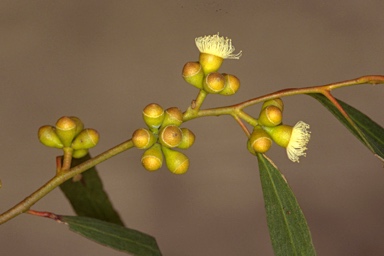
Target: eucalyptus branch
x: 60, y: 178
x: 235, y: 109
x: 193, y: 112
x: 163, y: 136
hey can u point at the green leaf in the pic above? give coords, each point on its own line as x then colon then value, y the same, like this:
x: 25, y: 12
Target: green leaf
x: 288, y: 228
x: 113, y: 235
x: 88, y: 197
x: 372, y: 132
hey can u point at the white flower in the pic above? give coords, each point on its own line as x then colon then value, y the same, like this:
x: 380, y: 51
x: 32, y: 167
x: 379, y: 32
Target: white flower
x: 298, y: 142
x: 218, y: 46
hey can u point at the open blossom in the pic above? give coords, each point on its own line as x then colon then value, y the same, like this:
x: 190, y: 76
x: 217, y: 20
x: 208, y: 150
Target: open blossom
x: 294, y: 139
x: 298, y: 142
x: 218, y: 46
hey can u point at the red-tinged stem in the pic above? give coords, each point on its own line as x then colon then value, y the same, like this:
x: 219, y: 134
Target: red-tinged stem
x: 49, y: 215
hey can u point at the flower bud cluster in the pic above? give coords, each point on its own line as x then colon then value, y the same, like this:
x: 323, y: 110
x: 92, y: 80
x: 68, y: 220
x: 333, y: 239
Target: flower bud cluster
x: 270, y: 128
x: 204, y: 74
x: 69, y: 132
x: 162, y: 137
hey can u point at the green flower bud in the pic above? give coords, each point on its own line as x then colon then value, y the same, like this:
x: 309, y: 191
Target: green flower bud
x: 260, y: 140
x: 176, y: 161
x: 152, y: 158
x: 79, y: 124
x: 66, y: 130
x: 214, y: 82
x: 170, y: 136
x: 274, y: 102
x: 48, y: 137
x: 87, y: 138
x: 231, y: 85
x: 143, y: 138
x: 187, y: 139
x: 79, y: 153
x: 173, y: 116
x: 250, y: 148
x: 193, y: 74
x: 153, y: 115
x: 270, y: 116
x: 280, y: 134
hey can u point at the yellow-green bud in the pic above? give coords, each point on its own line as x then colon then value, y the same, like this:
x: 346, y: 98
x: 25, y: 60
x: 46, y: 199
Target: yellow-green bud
x: 193, y: 74
x: 270, y: 116
x: 173, y: 116
x: 231, y: 85
x: 48, y: 137
x: 143, y: 138
x: 79, y: 124
x: 153, y: 115
x: 170, y: 136
x: 187, y: 139
x: 214, y: 82
x: 260, y: 140
x: 176, y: 161
x: 66, y: 130
x: 79, y: 153
x: 250, y: 148
x: 87, y: 138
x: 274, y: 102
x: 209, y: 62
x: 280, y: 134
x: 152, y: 158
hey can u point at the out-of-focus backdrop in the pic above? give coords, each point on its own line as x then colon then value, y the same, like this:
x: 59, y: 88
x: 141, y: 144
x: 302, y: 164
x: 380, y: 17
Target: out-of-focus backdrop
x: 104, y: 61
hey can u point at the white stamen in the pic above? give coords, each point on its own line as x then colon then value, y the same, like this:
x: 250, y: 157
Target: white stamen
x: 298, y: 142
x: 218, y: 46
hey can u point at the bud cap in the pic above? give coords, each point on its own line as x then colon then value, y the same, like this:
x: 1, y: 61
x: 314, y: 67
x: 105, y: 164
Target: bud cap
x: 48, y: 137
x: 176, y: 161
x: 152, y: 158
x: 66, y: 129
x: 87, y: 138
x: 193, y: 74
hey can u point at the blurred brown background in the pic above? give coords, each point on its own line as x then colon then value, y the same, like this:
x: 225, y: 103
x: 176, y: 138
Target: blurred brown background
x: 105, y: 60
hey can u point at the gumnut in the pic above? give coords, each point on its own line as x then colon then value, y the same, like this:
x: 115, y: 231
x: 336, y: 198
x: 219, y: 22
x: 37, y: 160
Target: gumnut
x: 152, y: 158
x: 274, y: 102
x: 176, y: 161
x: 79, y: 153
x: 170, y: 136
x: 86, y: 139
x: 79, y: 124
x: 259, y: 140
x: 173, y: 116
x: 143, y: 138
x: 270, y: 116
x: 193, y: 74
x: 153, y: 115
x: 231, y: 85
x: 187, y: 139
x: 214, y: 82
x: 48, y: 137
x: 66, y: 130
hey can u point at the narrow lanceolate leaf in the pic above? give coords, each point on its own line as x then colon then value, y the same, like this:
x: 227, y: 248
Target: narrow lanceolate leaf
x: 113, y: 235
x: 371, y: 134
x: 87, y: 196
x: 287, y: 226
